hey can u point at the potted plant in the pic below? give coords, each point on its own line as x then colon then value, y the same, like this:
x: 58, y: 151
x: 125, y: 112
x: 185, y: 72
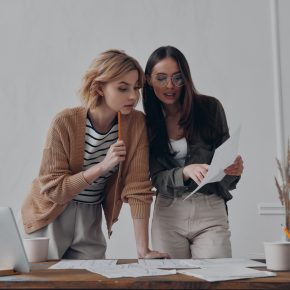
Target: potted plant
x: 278, y: 253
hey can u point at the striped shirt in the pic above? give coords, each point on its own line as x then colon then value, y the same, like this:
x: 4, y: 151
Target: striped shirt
x: 96, y: 147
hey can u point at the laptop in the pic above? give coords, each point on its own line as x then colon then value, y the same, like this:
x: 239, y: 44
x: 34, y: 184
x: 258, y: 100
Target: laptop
x: 12, y: 253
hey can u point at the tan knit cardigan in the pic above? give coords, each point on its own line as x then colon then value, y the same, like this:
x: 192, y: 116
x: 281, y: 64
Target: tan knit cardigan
x: 61, y: 177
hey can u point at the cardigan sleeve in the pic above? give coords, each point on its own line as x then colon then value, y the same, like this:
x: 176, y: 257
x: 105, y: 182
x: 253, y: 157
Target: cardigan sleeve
x: 167, y: 181
x: 57, y: 181
x: 137, y: 189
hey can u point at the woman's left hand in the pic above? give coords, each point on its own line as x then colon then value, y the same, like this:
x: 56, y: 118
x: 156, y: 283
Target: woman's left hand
x: 236, y: 168
x: 155, y: 255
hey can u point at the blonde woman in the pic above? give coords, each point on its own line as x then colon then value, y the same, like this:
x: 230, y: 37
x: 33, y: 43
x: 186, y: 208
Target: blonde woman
x: 86, y: 168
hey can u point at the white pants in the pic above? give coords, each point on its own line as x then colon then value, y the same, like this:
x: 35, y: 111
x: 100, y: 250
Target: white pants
x: 76, y: 233
x: 194, y: 228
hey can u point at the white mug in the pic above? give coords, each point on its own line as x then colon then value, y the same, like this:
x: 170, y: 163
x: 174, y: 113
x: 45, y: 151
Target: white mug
x: 36, y: 248
x: 277, y: 256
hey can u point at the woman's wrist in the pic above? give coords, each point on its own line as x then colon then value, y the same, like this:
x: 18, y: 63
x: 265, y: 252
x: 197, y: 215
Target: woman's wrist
x: 101, y: 167
x: 142, y: 246
x: 94, y: 172
x: 184, y: 173
x: 142, y: 252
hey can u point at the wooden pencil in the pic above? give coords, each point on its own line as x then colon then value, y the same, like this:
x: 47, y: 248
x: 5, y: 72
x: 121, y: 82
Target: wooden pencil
x: 119, y: 126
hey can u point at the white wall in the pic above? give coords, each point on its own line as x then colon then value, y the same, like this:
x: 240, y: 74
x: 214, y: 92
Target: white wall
x: 47, y: 45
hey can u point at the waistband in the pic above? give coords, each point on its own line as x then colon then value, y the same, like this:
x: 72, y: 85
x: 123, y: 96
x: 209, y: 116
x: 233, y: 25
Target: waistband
x: 182, y: 195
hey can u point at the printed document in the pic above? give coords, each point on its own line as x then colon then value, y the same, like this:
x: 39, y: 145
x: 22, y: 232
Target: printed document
x: 110, y: 269
x: 229, y: 262
x: 170, y: 263
x: 199, y: 263
x: 82, y: 264
x: 226, y: 273
x: 224, y: 156
x: 129, y: 270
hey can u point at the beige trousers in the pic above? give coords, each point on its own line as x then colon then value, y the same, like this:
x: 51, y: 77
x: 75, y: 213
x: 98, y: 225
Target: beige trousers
x: 76, y: 233
x: 194, y: 228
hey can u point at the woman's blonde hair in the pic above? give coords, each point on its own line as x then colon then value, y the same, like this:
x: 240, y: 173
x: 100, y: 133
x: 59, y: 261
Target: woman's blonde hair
x: 107, y: 67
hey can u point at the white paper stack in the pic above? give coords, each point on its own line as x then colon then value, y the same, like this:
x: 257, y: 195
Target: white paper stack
x: 226, y: 273
x: 170, y: 263
x: 199, y: 263
x: 82, y: 264
x: 129, y: 270
x: 211, y: 269
x: 109, y: 269
x: 229, y: 262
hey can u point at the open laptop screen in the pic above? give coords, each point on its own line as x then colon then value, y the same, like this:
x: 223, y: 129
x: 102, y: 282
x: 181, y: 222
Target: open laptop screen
x: 12, y: 253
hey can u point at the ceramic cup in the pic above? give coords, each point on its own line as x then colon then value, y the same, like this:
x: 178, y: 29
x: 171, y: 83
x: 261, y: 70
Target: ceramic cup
x: 277, y: 255
x: 36, y: 248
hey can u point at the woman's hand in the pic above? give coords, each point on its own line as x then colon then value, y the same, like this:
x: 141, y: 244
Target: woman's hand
x: 142, y: 237
x: 115, y: 155
x: 196, y: 172
x: 154, y: 255
x: 236, y: 168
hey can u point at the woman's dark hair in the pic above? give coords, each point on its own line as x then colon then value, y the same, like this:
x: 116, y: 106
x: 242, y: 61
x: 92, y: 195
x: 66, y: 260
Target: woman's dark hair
x: 196, y: 118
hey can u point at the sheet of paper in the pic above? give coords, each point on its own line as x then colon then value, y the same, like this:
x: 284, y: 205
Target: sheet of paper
x: 129, y: 270
x: 199, y: 263
x: 224, y: 156
x: 170, y: 263
x: 82, y: 264
x: 229, y: 262
x: 226, y: 273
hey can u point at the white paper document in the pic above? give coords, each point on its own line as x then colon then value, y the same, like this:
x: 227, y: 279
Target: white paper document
x: 226, y: 273
x: 229, y: 262
x: 170, y: 263
x: 110, y: 269
x: 82, y: 264
x: 129, y: 270
x: 199, y: 263
x: 224, y: 156
x: 154, y: 267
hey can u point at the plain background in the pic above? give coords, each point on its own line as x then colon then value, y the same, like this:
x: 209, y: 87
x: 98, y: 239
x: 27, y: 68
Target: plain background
x: 46, y: 46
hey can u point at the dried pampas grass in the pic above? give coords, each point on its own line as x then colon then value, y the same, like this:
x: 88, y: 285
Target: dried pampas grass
x: 284, y: 188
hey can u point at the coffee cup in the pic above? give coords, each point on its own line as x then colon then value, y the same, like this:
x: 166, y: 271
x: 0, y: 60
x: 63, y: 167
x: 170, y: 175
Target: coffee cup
x: 36, y: 248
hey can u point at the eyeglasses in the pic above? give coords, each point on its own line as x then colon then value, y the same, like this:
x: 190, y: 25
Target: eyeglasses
x: 163, y: 79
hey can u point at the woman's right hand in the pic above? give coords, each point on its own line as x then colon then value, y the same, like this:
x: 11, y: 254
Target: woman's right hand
x: 115, y: 155
x: 155, y: 255
x: 196, y: 172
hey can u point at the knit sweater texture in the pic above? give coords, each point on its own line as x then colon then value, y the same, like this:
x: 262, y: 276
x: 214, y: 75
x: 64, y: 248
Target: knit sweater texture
x: 61, y: 177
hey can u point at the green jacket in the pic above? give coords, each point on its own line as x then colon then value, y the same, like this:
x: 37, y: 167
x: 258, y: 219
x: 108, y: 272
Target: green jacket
x: 166, y: 173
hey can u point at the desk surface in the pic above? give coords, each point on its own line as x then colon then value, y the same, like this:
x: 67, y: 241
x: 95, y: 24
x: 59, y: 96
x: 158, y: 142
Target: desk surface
x: 42, y: 278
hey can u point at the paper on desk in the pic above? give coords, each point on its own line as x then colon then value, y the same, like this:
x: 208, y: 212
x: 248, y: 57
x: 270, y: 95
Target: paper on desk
x: 129, y: 270
x: 229, y: 262
x: 224, y: 156
x: 170, y: 263
x: 82, y: 264
x: 226, y: 273
x: 199, y: 263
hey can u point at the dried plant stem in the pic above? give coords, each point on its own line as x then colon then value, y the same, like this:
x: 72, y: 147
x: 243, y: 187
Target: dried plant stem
x: 284, y: 187
x: 280, y: 192
x: 287, y: 207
